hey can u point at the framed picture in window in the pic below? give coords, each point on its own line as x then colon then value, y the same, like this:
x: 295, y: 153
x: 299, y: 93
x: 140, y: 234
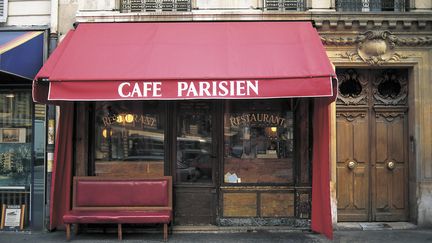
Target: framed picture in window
x: 12, y: 135
x: 12, y: 217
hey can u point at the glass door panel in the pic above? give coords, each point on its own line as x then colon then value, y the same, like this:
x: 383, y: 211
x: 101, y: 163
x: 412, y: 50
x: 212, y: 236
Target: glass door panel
x: 194, y: 143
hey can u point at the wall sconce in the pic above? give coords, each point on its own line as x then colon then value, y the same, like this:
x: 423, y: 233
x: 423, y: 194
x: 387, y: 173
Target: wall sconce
x: 105, y: 133
x: 129, y: 118
x: 119, y: 119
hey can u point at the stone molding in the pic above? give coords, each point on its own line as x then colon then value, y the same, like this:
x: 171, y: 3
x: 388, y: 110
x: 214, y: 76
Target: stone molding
x: 321, y: 19
x: 385, y: 35
x: 376, y: 47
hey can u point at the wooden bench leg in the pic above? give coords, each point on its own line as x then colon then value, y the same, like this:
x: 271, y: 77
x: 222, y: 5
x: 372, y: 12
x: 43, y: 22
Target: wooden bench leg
x: 119, y: 231
x: 68, y: 229
x: 75, y: 229
x: 165, y: 232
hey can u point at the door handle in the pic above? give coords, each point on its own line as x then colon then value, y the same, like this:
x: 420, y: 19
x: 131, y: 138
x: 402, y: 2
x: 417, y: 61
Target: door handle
x: 391, y: 165
x: 351, y: 165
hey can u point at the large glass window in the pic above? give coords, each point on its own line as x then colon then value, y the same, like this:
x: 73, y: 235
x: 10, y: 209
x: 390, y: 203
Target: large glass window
x: 15, y: 138
x: 129, y: 138
x: 258, y: 142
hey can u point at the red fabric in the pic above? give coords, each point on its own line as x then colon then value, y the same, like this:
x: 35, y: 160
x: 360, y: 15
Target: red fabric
x: 62, y: 167
x: 321, y: 209
x: 121, y: 193
x: 40, y: 88
x: 289, y: 53
x: 169, y: 90
x: 50, y: 64
x: 40, y: 91
x: 125, y: 217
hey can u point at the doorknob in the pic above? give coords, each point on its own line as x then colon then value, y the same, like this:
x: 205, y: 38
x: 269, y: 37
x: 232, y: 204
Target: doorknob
x: 351, y: 165
x: 391, y: 165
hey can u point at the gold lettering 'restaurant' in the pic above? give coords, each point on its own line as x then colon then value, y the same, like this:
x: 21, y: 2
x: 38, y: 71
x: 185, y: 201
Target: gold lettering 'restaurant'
x: 257, y: 118
x: 145, y: 120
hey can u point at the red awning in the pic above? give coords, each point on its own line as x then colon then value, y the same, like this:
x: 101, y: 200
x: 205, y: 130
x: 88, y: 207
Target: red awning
x: 194, y: 60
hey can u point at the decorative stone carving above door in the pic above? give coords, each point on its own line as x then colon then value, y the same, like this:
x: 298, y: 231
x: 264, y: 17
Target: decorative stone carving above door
x: 375, y: 47
x: 390, y: 88
x: 352, y: 88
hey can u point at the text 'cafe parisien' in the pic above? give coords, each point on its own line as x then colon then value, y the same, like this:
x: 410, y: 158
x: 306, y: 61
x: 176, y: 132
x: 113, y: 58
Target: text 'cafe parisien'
x: 192, y: 89
x: 236, y: 112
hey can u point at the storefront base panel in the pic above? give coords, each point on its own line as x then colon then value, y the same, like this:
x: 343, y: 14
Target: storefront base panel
x: 291, y: 222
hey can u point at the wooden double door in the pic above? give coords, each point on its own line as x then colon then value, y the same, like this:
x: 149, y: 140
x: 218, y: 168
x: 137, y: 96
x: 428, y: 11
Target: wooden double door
x: 372, y: 145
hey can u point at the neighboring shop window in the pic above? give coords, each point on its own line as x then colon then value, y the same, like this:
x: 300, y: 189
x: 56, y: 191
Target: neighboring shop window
x: 258, y: 141
x: 129, y: 138
x: 15, y: 138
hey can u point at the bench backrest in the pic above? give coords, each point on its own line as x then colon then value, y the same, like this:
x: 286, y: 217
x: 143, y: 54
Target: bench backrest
x: 104, y: 193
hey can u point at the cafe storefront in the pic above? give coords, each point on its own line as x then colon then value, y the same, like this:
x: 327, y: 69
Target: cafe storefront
x: 236, y: 112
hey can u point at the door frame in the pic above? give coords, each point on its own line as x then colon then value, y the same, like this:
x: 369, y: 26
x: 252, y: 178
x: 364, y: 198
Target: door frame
x: 216, y: 107
x: 371, y: 111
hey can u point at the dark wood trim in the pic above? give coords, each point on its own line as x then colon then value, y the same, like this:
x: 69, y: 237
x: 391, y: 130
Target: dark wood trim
x: 82, y: 139
x: 91, y: 140
x: 168, y: 143
x: 119, y: 232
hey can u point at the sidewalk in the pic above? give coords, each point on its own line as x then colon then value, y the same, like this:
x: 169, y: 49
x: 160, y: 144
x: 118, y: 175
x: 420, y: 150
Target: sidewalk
x: 349, y: 236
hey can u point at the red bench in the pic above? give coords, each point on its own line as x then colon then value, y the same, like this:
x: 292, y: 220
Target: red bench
x: 101, y: 200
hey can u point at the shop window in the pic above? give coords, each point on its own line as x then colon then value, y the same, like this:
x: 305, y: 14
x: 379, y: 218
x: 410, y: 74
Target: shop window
x: 15, y: 138
x: 129, y: 138
x: 258, y: 142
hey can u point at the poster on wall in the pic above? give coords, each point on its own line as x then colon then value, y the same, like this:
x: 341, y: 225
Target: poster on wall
x: 12, y: 217
x: 12, y: 135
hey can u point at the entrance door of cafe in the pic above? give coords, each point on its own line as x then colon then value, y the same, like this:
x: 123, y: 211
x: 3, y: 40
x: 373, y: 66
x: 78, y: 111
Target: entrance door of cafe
x: 372, y: 145
x: 195, y: 167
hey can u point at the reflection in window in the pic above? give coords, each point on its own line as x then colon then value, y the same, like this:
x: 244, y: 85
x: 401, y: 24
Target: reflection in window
x: 15, y: 138
x: 258, y: 143
x: 129, y: 138
x: 194, y: 143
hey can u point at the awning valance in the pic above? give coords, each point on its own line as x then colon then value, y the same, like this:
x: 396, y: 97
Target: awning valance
x: 21, y: 53
x: 194, y: 60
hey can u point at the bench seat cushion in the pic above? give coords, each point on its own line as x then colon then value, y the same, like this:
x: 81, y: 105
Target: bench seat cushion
x: 123, y: 217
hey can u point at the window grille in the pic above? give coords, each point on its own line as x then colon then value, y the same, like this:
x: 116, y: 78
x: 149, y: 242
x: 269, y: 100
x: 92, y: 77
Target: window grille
x: 128, y: 6
x: 3, y: 10
x: 284, y: 5
x: 371, y: 5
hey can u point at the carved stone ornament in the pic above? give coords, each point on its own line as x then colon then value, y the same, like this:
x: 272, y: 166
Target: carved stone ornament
x: 349, y: 41
x: 352, y: 88
x: 376, y: 47
x: 351, y: 116
x: 390, y: 116
x: 391, y: 88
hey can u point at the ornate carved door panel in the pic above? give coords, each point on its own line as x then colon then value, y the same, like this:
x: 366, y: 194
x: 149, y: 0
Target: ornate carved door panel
x: 390, y: 155
x: 353, y: 165
x: 372, y: 135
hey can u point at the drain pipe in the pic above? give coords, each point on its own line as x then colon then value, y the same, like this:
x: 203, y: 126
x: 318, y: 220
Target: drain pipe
x: 51, y: 117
